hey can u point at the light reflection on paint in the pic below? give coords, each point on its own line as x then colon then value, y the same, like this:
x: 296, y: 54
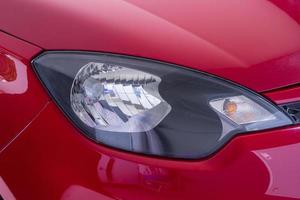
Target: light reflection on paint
x: 122, y: 172
x: 5, y: 191
x: 77, y: 192
x: 283, y: 166
x: 13, y: 75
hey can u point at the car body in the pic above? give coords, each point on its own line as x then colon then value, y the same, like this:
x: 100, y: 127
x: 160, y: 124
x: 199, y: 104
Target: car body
x: 254, y: 43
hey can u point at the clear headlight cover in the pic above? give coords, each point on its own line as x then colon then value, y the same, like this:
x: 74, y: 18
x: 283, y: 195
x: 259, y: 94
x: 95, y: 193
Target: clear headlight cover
x: 151, y: 107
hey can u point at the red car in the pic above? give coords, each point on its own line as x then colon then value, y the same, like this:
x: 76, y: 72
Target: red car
x: 134, y: 100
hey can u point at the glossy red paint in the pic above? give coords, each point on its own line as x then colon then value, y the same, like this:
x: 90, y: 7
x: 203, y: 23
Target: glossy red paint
x: 50, y: 159
x: 286, y: 95
x: 21, y: 96
x: 225, y: 38
x: 292, y: 7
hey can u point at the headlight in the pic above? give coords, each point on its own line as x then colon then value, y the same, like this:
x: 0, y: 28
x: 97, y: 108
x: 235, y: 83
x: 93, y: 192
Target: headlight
x: 151, y: 107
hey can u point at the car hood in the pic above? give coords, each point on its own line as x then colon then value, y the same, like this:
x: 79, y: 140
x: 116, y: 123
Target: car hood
x: 254, y: 42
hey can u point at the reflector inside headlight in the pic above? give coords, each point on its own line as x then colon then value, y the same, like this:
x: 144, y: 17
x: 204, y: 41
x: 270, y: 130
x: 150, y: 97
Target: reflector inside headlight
x: 151, y: 107
x: 116, y: 98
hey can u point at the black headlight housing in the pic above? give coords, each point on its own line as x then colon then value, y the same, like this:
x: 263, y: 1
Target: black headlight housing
x: 150, y: 107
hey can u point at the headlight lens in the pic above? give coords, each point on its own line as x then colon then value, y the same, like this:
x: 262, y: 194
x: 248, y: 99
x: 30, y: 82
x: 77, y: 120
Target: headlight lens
x: 151, y: 107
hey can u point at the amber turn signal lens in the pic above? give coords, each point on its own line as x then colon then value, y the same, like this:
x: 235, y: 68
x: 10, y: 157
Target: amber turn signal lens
x: 229, y: 107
